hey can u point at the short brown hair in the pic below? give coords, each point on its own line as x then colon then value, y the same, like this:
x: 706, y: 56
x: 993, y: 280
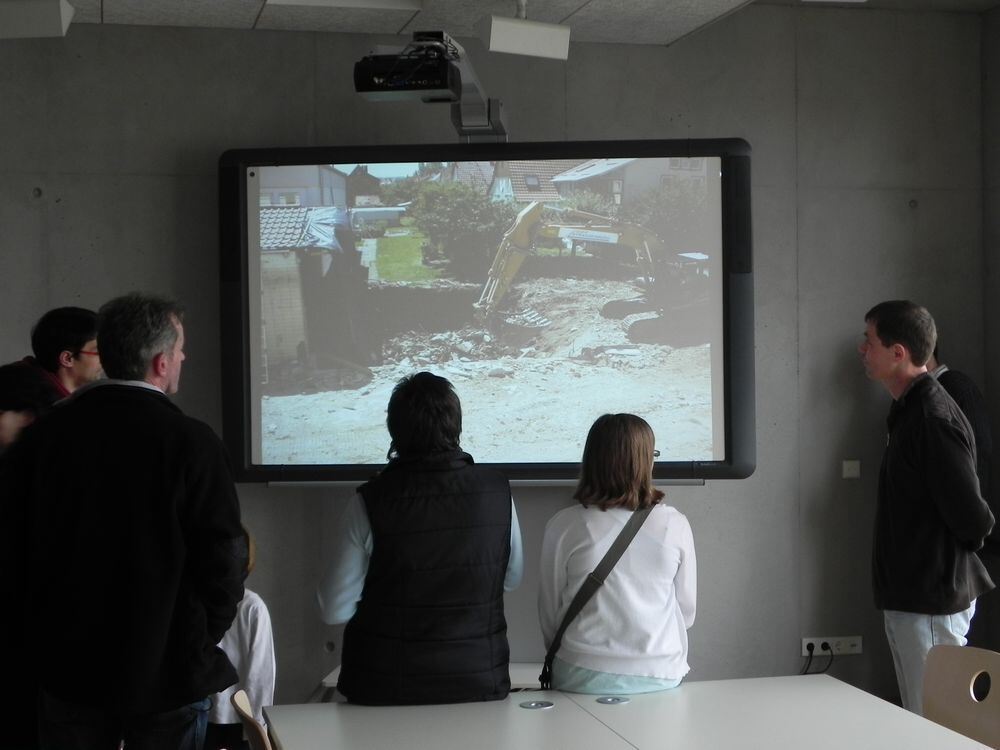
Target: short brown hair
x: 900, y: 321
x: 617, y: 468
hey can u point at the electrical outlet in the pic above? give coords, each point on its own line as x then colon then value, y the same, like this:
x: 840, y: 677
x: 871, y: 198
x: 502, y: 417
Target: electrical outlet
x: 840, y: 645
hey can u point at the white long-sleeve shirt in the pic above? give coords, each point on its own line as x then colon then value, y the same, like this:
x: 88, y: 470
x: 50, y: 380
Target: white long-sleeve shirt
x: 343, y: 583
x: 249, y: 644
x: 637, y: 622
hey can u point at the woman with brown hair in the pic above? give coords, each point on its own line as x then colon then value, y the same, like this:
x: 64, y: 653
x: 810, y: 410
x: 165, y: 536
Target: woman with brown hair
x: 631, y: 637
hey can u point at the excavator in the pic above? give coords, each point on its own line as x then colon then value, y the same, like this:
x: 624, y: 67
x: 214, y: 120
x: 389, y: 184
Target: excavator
x: 664, y: 282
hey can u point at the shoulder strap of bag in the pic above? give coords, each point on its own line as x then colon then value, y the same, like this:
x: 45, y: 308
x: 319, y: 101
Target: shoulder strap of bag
x: 590, y: 585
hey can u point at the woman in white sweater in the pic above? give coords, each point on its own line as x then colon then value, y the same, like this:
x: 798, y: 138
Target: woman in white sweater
x: 631, y: 637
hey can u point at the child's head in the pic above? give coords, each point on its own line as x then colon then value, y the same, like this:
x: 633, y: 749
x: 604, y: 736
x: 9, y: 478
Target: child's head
x: 617, y: 468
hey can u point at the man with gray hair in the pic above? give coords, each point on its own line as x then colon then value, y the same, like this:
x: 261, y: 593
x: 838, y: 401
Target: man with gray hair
x: 134, y: 555
x: 930, y: 516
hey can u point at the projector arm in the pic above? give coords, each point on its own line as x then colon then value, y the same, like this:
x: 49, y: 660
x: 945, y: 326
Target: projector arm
x: 475, y: 116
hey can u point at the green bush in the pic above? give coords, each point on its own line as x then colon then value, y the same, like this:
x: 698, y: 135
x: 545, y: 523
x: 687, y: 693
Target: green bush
x: 461, y: 225
x: 675, y: 211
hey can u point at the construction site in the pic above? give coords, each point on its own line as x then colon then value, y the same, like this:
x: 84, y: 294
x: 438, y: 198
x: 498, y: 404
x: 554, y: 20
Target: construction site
x: 528, y: 394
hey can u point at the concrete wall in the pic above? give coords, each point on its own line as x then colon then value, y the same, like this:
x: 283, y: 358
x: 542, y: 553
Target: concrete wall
x: 866, y: 128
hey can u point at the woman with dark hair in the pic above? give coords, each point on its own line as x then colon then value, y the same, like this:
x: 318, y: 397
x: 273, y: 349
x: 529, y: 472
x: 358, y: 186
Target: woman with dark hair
x: 631, y: 637
x: 424, y: 554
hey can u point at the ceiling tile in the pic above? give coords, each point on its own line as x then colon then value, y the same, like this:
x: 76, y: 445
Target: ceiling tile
x: 458, y: 17
x: 220, y: 14
x: 87, y: 11
x: 344, y: 20
x: 646, y: 21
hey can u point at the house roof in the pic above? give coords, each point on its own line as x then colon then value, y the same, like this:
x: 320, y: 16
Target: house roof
x: 282, y: 227
x: 476, y: 174
x: 288, y: 227
x: 592, y: 168
x: 522, y: 172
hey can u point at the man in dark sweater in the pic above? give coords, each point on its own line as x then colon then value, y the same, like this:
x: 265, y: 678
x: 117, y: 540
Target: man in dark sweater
x: 985, y: 629
x: 930, y: 517
x: 129, y: 550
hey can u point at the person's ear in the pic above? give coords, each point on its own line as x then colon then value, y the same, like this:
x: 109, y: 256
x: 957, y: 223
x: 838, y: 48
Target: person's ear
x: 159, y: 364
x: 66, y: 358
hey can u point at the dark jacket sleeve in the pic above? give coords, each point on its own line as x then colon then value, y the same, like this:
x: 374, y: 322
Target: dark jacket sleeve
x: 217, y: 545
x: 952, y: 482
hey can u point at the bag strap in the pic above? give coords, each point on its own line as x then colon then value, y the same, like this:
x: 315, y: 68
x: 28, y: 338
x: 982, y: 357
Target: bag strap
x: 593, y: 581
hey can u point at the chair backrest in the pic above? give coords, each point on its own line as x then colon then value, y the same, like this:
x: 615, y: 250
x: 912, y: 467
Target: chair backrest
x: 255, y: 733
x: 949, y: 676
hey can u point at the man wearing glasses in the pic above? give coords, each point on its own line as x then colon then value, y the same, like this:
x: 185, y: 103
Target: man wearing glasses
x: 64, y: 343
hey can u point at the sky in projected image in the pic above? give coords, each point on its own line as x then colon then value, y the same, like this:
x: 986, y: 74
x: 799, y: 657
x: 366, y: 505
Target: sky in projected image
x: 549, y: 292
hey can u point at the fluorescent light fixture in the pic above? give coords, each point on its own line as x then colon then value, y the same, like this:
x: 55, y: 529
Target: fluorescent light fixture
x: 516, y: 36
x: 23, y: 19
x: 361, y: 4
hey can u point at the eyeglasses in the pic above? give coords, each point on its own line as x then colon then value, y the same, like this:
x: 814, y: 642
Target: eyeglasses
x: 92, y: 354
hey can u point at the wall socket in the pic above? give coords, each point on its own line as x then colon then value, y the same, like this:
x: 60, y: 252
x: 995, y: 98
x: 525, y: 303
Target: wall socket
x: 839, y: 644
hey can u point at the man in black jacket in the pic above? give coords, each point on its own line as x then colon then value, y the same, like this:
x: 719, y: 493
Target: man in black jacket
x: 133, y: 556
x: 930, y: 517
x: 985, y: 629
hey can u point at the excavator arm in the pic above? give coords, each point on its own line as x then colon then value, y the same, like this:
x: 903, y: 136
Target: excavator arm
x: 579, y: 226
x: 516, y: 245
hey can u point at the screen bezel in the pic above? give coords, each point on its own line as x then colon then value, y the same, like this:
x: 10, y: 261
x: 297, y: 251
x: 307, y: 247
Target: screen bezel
x: 738, y: 304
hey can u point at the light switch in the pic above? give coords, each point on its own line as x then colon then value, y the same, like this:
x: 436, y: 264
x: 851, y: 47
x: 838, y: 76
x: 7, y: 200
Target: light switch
x: 851, y: 469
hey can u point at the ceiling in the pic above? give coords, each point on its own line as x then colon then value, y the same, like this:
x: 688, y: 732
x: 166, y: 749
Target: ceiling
x: 632, y: 22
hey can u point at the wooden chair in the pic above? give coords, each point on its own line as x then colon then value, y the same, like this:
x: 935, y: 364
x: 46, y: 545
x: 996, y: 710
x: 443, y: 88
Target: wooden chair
x: 255, y: 733
x: 949, y: 676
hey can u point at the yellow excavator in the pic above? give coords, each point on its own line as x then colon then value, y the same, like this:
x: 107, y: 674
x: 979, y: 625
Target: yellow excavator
x: 639, y: 247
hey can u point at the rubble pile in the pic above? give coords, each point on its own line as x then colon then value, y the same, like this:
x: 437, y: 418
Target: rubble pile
x: 417, y: 349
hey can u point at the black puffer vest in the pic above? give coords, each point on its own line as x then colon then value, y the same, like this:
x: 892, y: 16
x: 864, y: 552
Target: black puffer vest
x: 430, y: 626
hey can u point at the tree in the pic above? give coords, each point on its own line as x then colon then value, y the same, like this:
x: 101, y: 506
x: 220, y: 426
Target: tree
x: 461, y: 225
x: 589, y: 202
x: 675, y: 211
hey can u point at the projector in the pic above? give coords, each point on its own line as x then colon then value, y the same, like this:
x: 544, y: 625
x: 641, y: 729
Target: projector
x: 408, y: 77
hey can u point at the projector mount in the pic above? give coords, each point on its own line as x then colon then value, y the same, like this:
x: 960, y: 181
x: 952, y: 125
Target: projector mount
x: 434, y: 68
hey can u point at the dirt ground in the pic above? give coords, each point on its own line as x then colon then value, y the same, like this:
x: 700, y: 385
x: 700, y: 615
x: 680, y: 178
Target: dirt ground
x: 529, y: 394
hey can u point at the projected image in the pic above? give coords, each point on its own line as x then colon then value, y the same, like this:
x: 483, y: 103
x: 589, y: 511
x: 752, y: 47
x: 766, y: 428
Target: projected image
x: 548, y: 291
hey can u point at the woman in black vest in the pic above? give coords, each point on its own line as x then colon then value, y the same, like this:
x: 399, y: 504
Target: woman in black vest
x: 425, y: 552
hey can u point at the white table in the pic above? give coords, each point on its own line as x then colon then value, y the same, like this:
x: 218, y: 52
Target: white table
x: 812, y: 712
x: 459, y: 726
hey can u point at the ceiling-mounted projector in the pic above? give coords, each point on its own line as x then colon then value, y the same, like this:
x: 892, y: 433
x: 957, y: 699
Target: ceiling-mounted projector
x: 426, y: 70
x: 432, y: 68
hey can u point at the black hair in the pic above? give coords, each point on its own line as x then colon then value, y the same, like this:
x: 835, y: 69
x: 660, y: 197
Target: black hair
x: 60, y: 330
x: 424, y: 416
x: 900, y: 321
x: 133, y: 329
